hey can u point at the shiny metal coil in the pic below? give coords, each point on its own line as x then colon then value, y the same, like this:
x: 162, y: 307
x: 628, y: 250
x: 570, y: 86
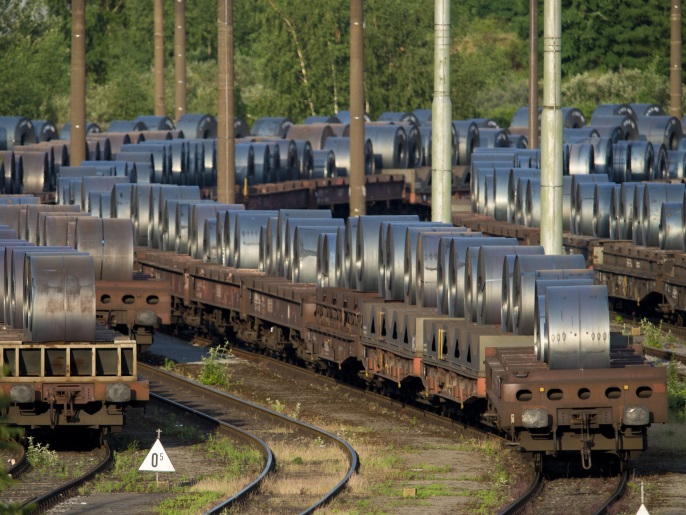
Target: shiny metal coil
x: 390, y: 145
x: 246, y: 237
x: 661, y: 130
x: 326, y: 259
x: 305, y: 161
x: 627, y: 197
x: 532, y: 212
x: 493, y: 138
x: 468, y: 139
x: 676, y: 164
x: 323, y: 164
x: 292, y: 224
x: 245, y: 163
x: 381, y: 252
x: 603, y: 198
x: 262, y: 162
x: 306, y: 253
x: 28, y: 219
x: 209, y: 241
x: 671, y: 230
x: 316, y: 134
x: 581, y: 159
x: 110, y: 242
x: 621, y: 162
x: 278, y: 254
x: 642, y: 161
x: 513, y: 179
x: 654, y: 195
x: 200, y: 213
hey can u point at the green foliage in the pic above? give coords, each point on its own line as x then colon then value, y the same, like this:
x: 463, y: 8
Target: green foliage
x: 39, y: 455
x: 676, y: 390
x: 238, y: 460
x: 213, y: 371
x: 654, y: 336
x: 188, y: 503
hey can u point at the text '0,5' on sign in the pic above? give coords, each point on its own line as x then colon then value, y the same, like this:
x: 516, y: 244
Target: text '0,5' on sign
x: 157, y: 460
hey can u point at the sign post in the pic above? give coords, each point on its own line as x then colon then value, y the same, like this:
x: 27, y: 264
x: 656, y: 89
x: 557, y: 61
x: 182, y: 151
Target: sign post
x: 157, y: 460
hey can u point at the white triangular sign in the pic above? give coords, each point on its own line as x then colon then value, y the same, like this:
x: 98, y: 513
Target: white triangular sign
x: 157, y: 460
x: 642, y: 511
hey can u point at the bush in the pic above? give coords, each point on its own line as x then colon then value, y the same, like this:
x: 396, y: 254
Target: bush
x: 676, y: 390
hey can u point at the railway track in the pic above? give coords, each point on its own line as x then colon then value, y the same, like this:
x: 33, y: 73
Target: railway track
x: 37, y: 490
x: 276, y: 430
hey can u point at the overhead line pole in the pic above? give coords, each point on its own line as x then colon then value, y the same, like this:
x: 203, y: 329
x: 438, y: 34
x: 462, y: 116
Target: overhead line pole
x: 159, y: 58
x: 675, y: 101
x: 78, y: 83
x: 179, y: 58
x: 357, y: 189
x: 533, y: 73
x: 226, y: 139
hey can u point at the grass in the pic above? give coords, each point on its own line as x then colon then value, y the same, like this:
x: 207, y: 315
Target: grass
x: 214, y: 371
x: 238, y: 461
x: 190, y: 503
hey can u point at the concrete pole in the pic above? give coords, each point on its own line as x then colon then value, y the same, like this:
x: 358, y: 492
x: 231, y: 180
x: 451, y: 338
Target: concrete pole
x: 159, y: 58
x: 441, y: 117
x: 551, y: 130
x: 357, y: 190
x: 180, y: 58
x: 675, y: 107
x: 533, y: 73
x: 78, y: 82
x: 226, y: 139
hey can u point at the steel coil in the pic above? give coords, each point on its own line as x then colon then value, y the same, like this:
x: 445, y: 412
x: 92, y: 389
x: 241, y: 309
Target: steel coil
x: 612, y: 110
x: 616, y: 222
x: 329, y: 224
x: 602, y: 155
x: 627, y: 197
x: 661, y: 130
x: 532, y: 213
x: 542, y: 285
x: 518, y: 141
x: 581, y: 133
x: 306, y: 253
x: 578, y: 327
x: 513, y: 179
x: 34, y: 174
x: 326, y: 259
x: 410, y: 256
x: 477, y: 185
x: 245, y: 163
x: 349, y: 274
x: 341, y: 272
x: 671, y: 230
x: 426, y: 271
x: 493, y: 138
x: 113, y: 168
x: 158, y: 206
x: 614, y: 134
x: 54, y: 231
x: 321, y: 119
x: 182, y: 226
x: 91, y: 129
x: 272, y: 127
x: 160, y: 156
x: 65, y: 281
x: 262, y: 264
x: 676, y: 164
x: 316, y: 134
x: 399, y: 117
x: 278, y: 255
x: 621, y: 161
x: 156, y: 123
x: 426, y: 132
x: 642, y: 161
x: 660, y: 165
x: 581, y: 159
x: 584, y: 205
x: 45, y: 131
x: 262, y: 162
x: 382, y: 254
x: 3, y: 278
x: 110, y: 242
x: 520, y: 202
x: 246, y: 237
x: 305, y: 162
x: 501, y: 184
x: 467, y: 140
x: 626, y: 122
x: 524, y: 285
x: 602, y: 201
x: 570, y: 187
x: 390, y: 146
x: 209, y: 241
x: 414, y: 144
x: 489, y: 206
x: 323, y: 164
x: 442, y: 270
x: 16, y: 131
x: 14, y: 279
x: 168, y: 222
x: 572, y: 118
x: 489, y: 280
x: 198, y: 126
x: 271, y: 244
x: 654, y: 195
x: 647, y: 110
x: 28, y: 219
x: 288, y: 164
x: 200, y: 213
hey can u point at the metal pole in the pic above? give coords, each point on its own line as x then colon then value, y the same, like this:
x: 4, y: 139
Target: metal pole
x: 78, y: 82
x: 226, y: 166
x: 441, y: 117
x: 357, y: 189
x: 180, y: 57
x: 533, y: 73
x: 159, y: 58
x: 551, y: 130
x: 675, y: 106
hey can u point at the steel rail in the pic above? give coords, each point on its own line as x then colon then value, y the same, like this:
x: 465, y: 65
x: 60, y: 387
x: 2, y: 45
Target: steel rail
x: 21, y: 465
x: 39, y: 504
x: 617, y: 493
x: 245, y: 436
x: 225, y: 397
x: 535, y: 486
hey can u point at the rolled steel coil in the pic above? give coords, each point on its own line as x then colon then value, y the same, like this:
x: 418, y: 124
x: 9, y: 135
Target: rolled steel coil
x: 306, y: 253
x: 34, y: 174
x: 168, y: 234
x: 411, y: 252
x: 602, y: 156
x: 569, y: 189
x: 200, y: 213
x: 513, y: 179
x: 8, y: 243
x: 262, y: 161
x: 28, y: 219
x: 288, y: 160
x: 113, y: 168
x: 428, y: 255
x: 578, y: 327
x: 198, y: 126
x: 390, y: 145
x: 627, y: 197
x: 341, y: 272
x: 426, y: 134
x: 349, y: 274
x: 94, y: 150
x: 144, y: 166
x: 315, y: 134
x: 246, y: 237
x: 16, y: 131
x: 330, y: 224
x: 542, y: 285
x: 98, y: 184
x: 520, y: 202
x: 383, y: 235
x: 156, y: 123
x: 423, y: 115
x: 581, y: 159
x: 572, y: 118
x: 616, y: 222
x: 532, y: 213
x: 326, y: 259
x: 647, y: 110
x: 654, y: 195
x: 321, y: 119
x: 45, y: 131
x: 65, y: 281
x: 621, y: 162
x: 660, y: 166
x: 671, y: 231
x: 161, y: 135
x: 262, y: 264
x: 524, y: 285
x: 612, y: 110
x: 661, y: 130
x: 55, y: 227
x: 278, y: 254
x: 626, y: 122
x: 245, y: 163
x: 91, y: 128
x: 158, y: 206
x: 141, y: 212
x: 94, y: 199
x: 489, y: 207
x: 477, y: 185
x: 209, y: 241
x: 275, y: 127
x: 518, y: 141
x: 399, y: 117
x: 110, y: 242
x: 489, y: 280
x: 581, y: 133
x: 467, y: 140
x: 323, y: 164
x: 183, y: 227
x: 613, y: 133
x: 305, y: 161
x: 501, y: 188
x: 602, y: 200
x: 584, y: 205
x: 642, y: 161
x: 340, y: 130
x: 160, y: 157
x: 493, y: 138
x: 105, y: 205
x: 271, y: 243
x: 126, y: 126
x: 676, y: 164
x: 414, y: 145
